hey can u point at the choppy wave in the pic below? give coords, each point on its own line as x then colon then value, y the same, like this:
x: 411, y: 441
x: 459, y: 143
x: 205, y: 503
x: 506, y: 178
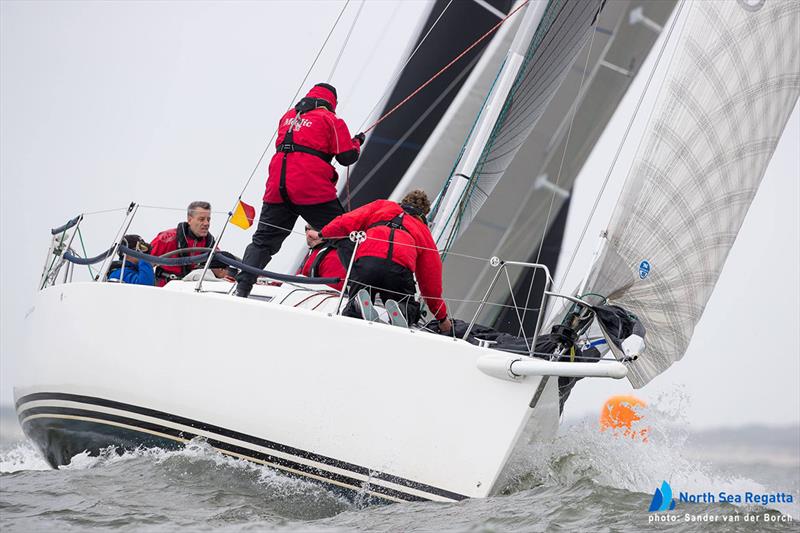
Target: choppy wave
x: 583, y: 480
x: 19, y: 457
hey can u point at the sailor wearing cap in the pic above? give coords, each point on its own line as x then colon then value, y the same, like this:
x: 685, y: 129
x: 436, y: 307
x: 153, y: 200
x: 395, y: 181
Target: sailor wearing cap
x: 136, y: 271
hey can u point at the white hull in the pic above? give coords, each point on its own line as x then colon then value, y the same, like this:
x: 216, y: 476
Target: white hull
x: 393, y: 413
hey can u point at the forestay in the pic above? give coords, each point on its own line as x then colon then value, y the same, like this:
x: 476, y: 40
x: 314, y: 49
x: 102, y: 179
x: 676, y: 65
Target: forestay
x: 725, y: 100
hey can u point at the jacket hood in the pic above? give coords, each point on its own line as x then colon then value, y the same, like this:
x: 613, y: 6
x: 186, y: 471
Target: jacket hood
x: 324, y: 92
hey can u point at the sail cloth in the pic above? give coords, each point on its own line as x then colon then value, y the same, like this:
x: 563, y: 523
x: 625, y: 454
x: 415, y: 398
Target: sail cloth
x: 547, y: 54
x: 725, y: 101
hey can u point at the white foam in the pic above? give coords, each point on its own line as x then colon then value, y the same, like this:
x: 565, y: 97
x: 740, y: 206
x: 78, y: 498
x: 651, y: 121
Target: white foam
x: 582, y: 450
x: 22, y: 457
x: 199, y: 450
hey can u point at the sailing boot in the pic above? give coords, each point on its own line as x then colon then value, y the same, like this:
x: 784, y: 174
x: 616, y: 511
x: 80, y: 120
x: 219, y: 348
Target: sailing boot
x: 364, y: 303
x: 395, y: 315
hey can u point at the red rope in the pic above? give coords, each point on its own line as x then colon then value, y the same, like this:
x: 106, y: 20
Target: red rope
x: 450, y: 64
x: 347, y: 186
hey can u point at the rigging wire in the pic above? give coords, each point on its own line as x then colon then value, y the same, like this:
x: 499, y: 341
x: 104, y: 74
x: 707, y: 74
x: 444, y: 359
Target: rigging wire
x: 413, y: 127
x: 622, y: 141
x: 294, y: 98
x: 269, y: 143
x: 346, y: 40
x: 102, y: 211
x: 561, y: 165
x: 167, y: 208
x: 356, y: 80
x: 399, y: 72
x: 446, y: 67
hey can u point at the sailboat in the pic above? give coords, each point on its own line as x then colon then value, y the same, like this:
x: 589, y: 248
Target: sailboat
x: 402, y: 414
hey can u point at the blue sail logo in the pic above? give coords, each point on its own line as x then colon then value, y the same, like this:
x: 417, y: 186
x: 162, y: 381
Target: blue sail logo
x: 662, y: 499
x: 644, y: 269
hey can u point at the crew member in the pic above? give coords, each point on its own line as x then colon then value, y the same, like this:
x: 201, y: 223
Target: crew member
x: 137, y: 271
x: 398, y: 245
x: 322, y: 260
x: 190, y: 234
x: 302, y: 181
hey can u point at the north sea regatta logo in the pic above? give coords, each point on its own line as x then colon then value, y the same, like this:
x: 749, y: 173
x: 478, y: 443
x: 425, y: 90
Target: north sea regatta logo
x: 662, y: 499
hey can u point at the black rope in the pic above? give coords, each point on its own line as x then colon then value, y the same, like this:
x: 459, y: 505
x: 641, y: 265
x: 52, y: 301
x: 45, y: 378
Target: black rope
x: 87, y: 260
x: 274, y: 275
x: 65, y: 227
x: 168, y: 261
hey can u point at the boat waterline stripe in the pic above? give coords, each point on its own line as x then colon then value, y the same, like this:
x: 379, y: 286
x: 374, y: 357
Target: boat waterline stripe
x: 289, y: 450
x: 52, y: 406
x: 228, y: 449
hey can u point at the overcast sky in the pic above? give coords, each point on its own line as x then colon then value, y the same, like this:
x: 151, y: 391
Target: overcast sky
x: 168, y: 102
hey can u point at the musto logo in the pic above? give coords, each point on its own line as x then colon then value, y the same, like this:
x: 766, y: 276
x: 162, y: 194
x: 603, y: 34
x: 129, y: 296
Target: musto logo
x: 662, y: 499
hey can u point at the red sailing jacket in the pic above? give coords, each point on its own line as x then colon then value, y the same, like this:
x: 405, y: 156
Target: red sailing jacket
x: 329, y: 267
x: 167, y: 241
x: 310, y: 179
x: 413, y: 248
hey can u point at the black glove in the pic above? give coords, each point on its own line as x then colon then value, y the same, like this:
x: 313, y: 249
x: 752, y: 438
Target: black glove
x: 360, y: 138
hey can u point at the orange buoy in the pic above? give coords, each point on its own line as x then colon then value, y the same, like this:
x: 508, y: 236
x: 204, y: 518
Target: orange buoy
x: 619, y: 414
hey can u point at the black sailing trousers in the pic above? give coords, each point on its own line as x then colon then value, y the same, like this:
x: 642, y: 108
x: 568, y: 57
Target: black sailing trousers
x: 274, y: 226
x: 384, y: 277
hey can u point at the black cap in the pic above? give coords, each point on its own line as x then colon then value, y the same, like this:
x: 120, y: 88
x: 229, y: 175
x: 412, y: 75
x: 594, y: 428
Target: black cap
x: 330, y: 87
x: 135, y: 242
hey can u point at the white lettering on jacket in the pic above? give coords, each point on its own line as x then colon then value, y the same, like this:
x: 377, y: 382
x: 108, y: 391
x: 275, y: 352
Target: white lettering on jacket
x: 299, y: 123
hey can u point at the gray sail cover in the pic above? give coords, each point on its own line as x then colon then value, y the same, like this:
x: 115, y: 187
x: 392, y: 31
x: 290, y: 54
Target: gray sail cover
x: 725, y: 101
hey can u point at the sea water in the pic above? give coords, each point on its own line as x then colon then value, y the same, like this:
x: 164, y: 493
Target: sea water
x: 584, y: 480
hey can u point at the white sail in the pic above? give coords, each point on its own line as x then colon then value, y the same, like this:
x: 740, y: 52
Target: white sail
x: 726, y: 98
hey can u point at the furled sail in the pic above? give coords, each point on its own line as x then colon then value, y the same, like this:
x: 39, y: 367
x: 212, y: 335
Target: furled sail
x: 725, y: 100
x: 546, y: 44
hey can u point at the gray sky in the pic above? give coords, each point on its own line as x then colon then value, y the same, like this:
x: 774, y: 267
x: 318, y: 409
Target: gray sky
x: 167, y: 102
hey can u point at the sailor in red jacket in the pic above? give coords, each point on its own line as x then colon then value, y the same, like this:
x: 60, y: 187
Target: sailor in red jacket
x: 322, y: 260
x: 302, y: 181
x: 398, y: 245
x: 190, y: 234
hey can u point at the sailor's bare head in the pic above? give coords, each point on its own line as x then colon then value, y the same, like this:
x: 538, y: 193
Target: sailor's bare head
x: 312, y: 237
x: 198, y: 216
x: 418, y: 200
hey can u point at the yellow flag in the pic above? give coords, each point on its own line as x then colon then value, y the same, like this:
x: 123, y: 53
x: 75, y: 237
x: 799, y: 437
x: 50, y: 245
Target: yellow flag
x: 243, y: 215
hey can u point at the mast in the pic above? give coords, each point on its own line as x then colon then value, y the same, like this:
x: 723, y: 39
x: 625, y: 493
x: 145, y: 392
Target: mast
x: 452, y: 202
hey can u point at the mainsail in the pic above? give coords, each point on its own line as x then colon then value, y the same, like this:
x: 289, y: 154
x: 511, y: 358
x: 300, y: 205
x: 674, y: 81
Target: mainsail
x: 546, y: 44
x: 510, y: 223
x: 725, y: 100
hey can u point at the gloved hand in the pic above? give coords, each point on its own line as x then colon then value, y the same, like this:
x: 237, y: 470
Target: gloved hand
x: 360, y: 138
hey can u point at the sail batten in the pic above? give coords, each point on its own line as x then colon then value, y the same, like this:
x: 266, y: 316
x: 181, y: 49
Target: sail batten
x: 728, y: 94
